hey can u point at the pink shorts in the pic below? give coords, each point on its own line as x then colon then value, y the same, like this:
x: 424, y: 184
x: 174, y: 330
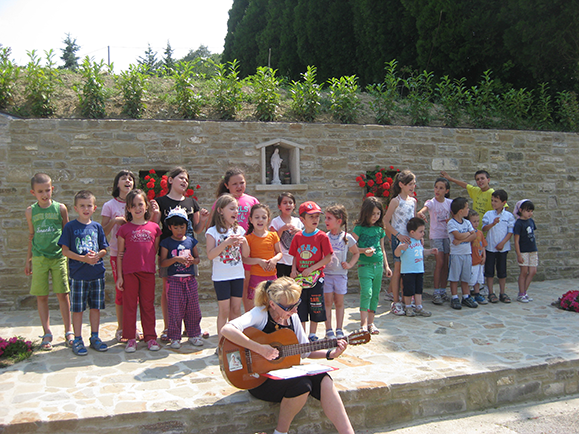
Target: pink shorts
x: 254, y: 281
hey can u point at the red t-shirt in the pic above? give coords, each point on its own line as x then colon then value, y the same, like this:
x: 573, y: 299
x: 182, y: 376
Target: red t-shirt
x: 140, y: 250
x: 310, y: 249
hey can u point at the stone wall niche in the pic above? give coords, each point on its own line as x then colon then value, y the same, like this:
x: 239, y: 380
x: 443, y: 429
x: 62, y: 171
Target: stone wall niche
x: 289, y: 172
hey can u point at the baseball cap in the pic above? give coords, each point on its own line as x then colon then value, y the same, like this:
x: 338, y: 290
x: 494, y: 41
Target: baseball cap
x: 309, y: 208
x: 177, y: 213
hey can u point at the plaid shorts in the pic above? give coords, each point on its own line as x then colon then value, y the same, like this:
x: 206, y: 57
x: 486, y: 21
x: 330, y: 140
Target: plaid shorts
x: 83, y: 291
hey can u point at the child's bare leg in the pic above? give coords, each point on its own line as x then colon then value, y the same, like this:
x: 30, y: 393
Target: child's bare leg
x: 490, y: 281
x: 395, y: 282
x: 77, y: 323
x: 464, y: 288
x: 502, y: 284
x: 417, y: 299
x: 234, y: 308
x: 407, y: 301
x: 329, y: 301
x: 364, y: 319
x: 247, y: 303
x: 95, y: 319
x: 476, y: 288
x: 522, y: 281
x: 222, y: 315
x: 339, y: 303
x: 313, y: 327
x: 119, y: 309
x: 43, y: 312
x: 529, y: 279
x: 440, y: 270
x: 454, y: 288
x: 64, y: 303
x: 371, y: 315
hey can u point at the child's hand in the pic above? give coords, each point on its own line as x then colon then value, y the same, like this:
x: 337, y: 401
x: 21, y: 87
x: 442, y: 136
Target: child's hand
x: 294, y: 274
x: 444, y: 174
x: 203, y: 214
x: 120, y: 283
x: 154, y: 206
x: 456, y: 242
x: 120, y: 220
x: 28, y: 267
x: 388, y: 271
x: 346, y: 265
x: 520, y: 258
x: 404, y: 239
x: 233, y: 240
x: 370, y: 251
x: 500, y: 246
x: 91, y: 257
x: 182, y: 260
x: 434, y: 251
x: 307, y: 272
x: 497, y: 220
x: 264, y: 264
x: 403, y: 246
x: 422, y: 216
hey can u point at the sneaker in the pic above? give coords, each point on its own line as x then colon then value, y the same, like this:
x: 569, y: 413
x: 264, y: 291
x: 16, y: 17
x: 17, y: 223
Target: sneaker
x: 528, y: 298
x: 153, y: 345
x: 313, y: 338
x: 437, y: 299
x: 389, y: 297
x: 196, y: 341
x: 131, y: 346
x: 330, y: 334
x: 340, y: 334
x: 397, y: 309
x: 455, y: 303
x: 409, y: 311
x: 175, y: 344
x: 469, y: 302
x: 480, y: 299
x: 78, y: 347
x: 445, y: 296
x: 484, y: 291
x: 422, y: 312
x: 522, y: 298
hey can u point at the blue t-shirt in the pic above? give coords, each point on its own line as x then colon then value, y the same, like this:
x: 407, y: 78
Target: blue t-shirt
x: 179, y: 248
x: 525, y: 229
x: 412, y: 259
x: 80, y: 239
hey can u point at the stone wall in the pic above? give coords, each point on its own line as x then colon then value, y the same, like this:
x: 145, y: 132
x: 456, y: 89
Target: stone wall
x: 81, y: 154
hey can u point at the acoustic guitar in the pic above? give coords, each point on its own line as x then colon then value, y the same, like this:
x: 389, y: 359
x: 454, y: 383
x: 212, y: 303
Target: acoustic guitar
x: 242, y: 368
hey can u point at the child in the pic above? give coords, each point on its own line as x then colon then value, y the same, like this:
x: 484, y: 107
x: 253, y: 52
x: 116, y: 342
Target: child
x: 312, y: 251
x: 369, y: 233
x: 179, y: 254
x: 336, y: 281
x: 138, y: 243
x: 286, y: 226
x: 498, y: 224
x: 478, y: 259
x: 84, y: 243
x: 177, y: 184
x: 233, y: 182
x: 525, y: 246
x: 461, y: 234
x: 264, y: 248
x: 439, y: 210
x: 45, y: 219
x: 113, y: 217
x: 402, y: 208
x: 480, y: 195
x: 412, y: 266
x: 226, y: 245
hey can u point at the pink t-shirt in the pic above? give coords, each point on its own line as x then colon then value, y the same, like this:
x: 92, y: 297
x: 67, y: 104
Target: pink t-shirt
x: 439, y: 216
x: 245, y: 203
x: 140, y: 250
x: 113, y: 208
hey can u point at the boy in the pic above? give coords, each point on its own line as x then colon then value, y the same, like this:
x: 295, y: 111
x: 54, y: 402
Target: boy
x: 46, y: 218
x: 461, y: 234
x: 412, y: 266
x: 312, y: 251
x: 84, y: 243
x: 499, y: 224
x: 179, y: 254
x: 480, y: 195
x: 478, y: 259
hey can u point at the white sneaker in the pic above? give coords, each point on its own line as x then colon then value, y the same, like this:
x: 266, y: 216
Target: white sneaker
x: 131, y: 346
x: 397, y: 309
x: 196, y: 341
x: 522, y: 298
x: 175, y: 344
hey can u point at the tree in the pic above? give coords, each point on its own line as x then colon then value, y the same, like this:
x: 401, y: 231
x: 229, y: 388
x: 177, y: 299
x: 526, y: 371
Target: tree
x: 149, y: 61
x: 168, y: 61
x: 200, y: 53
x: 69, y: 54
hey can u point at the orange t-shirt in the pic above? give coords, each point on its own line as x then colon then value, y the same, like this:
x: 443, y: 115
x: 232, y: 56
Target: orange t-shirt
x: 263, y: 248
x: 478, y: 246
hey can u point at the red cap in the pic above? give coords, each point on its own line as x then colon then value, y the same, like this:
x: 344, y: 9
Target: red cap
x: 309, y: 208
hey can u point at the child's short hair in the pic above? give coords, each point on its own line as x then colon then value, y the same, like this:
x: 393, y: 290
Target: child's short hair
x: 39, y: 178
x: 414, y: 223
x: 501, y: 195
x: 285, y: 194
x: 116, y: 191
x: 483, y: 172
x: 129, y: 203
x: 471, y: 213
x: 458, y: 204
x: 84, y: 194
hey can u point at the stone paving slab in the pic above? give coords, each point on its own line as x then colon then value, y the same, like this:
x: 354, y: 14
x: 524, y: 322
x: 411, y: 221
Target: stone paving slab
x: 453, y: 361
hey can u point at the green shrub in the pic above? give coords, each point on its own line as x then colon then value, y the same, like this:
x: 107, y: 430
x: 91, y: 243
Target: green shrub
x: 343, y: 98
x: 451, y: 95
x: 515, y: 108
x: 227, y: 94
x: 385, y: 95
x: 40, y: 84
x: 133, y: 86
x: 418, y: 100
x: 187, y: 100
x: 542, y: 109
x: 265, y: 93
x: 8, y: 76
x: 481, y: 102
x: 92, y: 95
x: 305, y: 96
x: 568, y: 110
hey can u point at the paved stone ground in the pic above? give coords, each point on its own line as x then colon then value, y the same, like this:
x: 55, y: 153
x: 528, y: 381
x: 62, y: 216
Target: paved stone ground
x: 411, y: 358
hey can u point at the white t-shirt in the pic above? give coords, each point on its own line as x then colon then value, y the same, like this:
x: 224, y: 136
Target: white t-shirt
x: 285, y: 240
x: 113, y: 208
x: 229, y: 264
x: 454, y: 226
x: 340, y: 253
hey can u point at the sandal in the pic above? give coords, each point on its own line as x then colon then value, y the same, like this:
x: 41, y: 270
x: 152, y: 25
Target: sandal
x: 373, y: 329
x: 493, y: 298
x: 504, y: 298
x: 78, y: 347
x: 164, y: 337
x: 69, y: 339
x: 46, y: 345
x: 97, y: 344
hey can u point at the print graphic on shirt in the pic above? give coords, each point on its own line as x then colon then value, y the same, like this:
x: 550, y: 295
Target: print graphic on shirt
x: 182, y: 252
x: 530, y: 234
x: 231, y: 255
x: 368, y: 240
x: 286, y: 239
x: 142, y: 236
x: 87, y: 243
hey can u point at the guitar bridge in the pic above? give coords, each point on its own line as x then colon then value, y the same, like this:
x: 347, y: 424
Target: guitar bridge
x: 248, y: 361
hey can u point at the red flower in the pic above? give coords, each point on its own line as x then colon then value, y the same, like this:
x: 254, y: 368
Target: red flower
x: 414, y: 194
x: 386, y: 193
x: 358, y: 179
x: 147, y: 178
x: 386, y: 185
x: 150, y: 185
x: 164, y: 177
x: 369, y: 194
x: 151, y: 194
x: 397, y: 170
x: 189, y: 192
x: 195, y: 197
x: 370, y: 183
x: 362, y: 184
x: 198, y: 187
x: 163, y: 183
x: 389, y: 180
x: 152, y: 172
x: 391, y: 167
x: 163, y: 193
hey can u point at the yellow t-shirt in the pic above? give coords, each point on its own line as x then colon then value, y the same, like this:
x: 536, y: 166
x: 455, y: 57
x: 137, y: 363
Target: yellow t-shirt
x: 263, y: 248
x: 481, y: 201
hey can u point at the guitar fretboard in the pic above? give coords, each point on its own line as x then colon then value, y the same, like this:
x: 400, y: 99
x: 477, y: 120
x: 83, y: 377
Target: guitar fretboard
x: 293, y: 349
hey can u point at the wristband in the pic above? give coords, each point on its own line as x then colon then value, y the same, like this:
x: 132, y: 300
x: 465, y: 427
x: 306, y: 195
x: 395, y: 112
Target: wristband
x: 328, y: 355
x: 396, y: 236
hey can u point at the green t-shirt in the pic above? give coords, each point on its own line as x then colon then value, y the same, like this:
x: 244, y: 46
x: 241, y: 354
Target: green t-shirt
x: 47, y: 223
x: 370, y: 237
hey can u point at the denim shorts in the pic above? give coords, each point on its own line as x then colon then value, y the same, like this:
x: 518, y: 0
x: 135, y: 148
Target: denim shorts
x: 442, y: 244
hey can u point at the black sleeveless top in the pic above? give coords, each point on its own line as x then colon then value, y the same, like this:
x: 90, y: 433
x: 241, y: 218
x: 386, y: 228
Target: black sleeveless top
x: 271, y: 326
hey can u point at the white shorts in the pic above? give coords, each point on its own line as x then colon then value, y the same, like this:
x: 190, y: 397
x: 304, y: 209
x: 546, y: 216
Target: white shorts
x: 530, y: 259
x: 459, y: 268
x: 477, y: 275
x: 336, y: 283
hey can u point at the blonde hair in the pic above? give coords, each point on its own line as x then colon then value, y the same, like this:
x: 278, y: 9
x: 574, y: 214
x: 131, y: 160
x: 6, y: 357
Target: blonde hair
x: 275, y: 290
x: 217, y: 219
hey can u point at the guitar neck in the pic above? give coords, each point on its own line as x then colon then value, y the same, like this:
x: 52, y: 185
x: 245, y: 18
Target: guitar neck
x: 293, y: 349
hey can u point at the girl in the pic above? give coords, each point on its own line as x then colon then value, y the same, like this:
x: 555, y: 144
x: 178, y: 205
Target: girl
x: 225, y: 247
x: 138, y: 243
x: 177, y: 184
x: 402, y: 208
x: 113, y: 217
x: 525, y: 246
x: 336, y: 272
x: 439, y: 210
x: 233, y: 182
x: 263, y: 247
x: 286, y: 226
x: 369, y: 233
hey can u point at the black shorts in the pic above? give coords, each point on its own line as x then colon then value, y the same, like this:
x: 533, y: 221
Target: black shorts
x: 275, y: 390
x: 498, y: 258
x: 226, y: 289
x: 283, y: 270
x: 413, y: 283
x: 312, y: 306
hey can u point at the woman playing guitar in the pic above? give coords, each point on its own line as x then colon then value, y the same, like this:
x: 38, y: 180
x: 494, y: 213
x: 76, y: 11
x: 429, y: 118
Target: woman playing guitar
x: 275, y: 308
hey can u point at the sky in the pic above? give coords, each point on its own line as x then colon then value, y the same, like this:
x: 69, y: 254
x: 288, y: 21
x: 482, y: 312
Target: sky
x: 126, y: 26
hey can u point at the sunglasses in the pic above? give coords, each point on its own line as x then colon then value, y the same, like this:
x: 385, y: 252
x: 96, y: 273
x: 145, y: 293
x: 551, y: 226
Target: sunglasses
x: 289, y: 308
